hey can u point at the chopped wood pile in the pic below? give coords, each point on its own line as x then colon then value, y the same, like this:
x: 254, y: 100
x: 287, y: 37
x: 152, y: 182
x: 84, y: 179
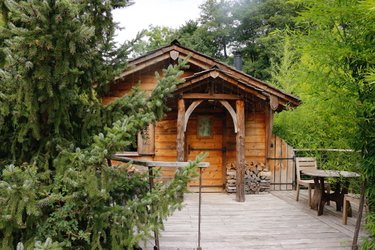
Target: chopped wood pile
x: 257, y: 178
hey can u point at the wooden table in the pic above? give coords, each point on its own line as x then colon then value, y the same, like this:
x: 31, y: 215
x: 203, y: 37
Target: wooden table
x: 321, y: 196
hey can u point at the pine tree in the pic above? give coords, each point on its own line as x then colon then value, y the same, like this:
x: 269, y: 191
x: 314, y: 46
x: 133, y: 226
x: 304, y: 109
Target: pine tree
x: 57, y: 51
x: 55, y: 183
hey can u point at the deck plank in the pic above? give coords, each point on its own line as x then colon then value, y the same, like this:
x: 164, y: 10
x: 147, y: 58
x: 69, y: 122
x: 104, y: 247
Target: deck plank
x: 264, y: 221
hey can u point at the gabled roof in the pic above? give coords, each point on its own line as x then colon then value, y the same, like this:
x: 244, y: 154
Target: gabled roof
x: 211, y: 68
x: 217, y: 73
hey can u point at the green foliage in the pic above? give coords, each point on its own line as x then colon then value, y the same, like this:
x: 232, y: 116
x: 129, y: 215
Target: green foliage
x: 152, y: 38
x: 55, y: 51
x: 226, y: 26
x: 326, y: 117
x: 216, y: 21
x: 256, y: 21
x: 56, y: 188
x: 211, y: 34
x: 366, y: 142
x: 332, y: 63
x: 85, y: 202
x: 2, y: 14
x: 47, y: 245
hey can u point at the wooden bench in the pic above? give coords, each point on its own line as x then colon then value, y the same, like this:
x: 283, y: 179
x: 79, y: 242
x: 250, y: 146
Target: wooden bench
x: 350, y: 199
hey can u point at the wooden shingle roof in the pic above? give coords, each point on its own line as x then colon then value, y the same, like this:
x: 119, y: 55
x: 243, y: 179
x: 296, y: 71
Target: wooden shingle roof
x: 211, y: 68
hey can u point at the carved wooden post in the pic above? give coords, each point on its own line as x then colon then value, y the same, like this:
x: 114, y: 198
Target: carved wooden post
x: 269, y: 123
x: 180, y: 130
x: 269, y: 111
x: 240, y: 148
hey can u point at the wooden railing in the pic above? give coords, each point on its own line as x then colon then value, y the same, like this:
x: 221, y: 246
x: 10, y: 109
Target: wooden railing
x: 151, y: 165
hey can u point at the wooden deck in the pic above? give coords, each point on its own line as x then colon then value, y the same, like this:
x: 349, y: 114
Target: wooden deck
x: 264, y: 221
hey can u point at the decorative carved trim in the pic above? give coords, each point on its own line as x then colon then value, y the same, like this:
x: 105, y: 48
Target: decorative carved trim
x: 189, y: 111
x: 274, y: 102
x: 174, y: 54
x: 214, y: 74
x: 232, y: 113
x: 226, y: 104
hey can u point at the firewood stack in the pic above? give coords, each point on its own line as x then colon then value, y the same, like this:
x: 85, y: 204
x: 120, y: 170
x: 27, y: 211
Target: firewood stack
x: 257, y: 178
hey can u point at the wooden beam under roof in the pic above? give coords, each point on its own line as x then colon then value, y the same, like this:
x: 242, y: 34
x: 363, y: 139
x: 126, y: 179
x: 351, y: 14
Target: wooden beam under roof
x: 210, y: 96
x: 208, y: 74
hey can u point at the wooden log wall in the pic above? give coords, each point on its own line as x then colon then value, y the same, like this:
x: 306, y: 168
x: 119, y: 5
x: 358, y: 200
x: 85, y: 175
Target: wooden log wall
x: 255, y: 138
x: 146, y: 77
x: 282, y: 171
x: 165, y: 130
x: 165, y: 143
x: 124, y: 87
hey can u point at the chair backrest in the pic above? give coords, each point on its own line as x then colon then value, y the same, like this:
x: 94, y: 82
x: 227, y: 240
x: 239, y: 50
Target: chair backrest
x: 304, y: 163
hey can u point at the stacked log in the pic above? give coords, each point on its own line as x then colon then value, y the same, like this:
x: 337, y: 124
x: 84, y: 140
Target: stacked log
x: 257, y: 178
x: 230, y: 186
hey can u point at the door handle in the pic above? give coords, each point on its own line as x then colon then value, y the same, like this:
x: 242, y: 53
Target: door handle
x: 190, y: 148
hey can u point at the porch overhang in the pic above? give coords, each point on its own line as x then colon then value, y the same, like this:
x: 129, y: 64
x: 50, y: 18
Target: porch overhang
x: 278, y: 101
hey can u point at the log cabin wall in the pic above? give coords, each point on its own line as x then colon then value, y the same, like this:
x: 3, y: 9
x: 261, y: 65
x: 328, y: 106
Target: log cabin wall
x: 280, y: 160
x: 255, y: 137
x: 165, y: 143
x: 282, y: 171
x: 248, y: 101
x: 145, y: 79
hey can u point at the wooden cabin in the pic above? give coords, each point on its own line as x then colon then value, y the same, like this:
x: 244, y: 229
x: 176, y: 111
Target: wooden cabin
x: 218, y: 109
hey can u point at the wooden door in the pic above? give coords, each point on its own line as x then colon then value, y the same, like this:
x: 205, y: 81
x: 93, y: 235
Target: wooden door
x: 205, y: 134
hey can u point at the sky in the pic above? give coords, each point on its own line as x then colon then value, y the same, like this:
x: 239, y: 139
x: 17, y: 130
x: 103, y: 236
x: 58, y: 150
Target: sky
x: 142, y: 14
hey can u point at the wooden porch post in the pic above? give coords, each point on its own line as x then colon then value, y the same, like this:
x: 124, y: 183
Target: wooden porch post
x: 269, y: 123
x: 180, y: 130
x: 240, y: 148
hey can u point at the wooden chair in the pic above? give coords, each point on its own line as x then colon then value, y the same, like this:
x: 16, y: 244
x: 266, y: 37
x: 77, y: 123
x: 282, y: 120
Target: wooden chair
x: 306, y: 163
x: 349, y: 200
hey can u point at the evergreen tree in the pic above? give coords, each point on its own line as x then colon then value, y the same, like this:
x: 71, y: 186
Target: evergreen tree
x: 151, y: 39
x: 216, y: 20
x: 56, y: 137
x: 56, y: 51
x: 225, y: 26
x: 256, y: 21
x: 211, y: 34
